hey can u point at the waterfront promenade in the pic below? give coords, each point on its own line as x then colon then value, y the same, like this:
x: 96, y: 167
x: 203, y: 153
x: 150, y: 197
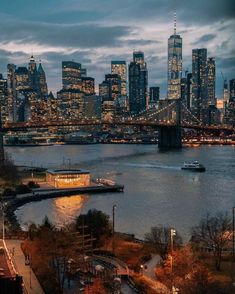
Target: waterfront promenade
x: 31, y: 284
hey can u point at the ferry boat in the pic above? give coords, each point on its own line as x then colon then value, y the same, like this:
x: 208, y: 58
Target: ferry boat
x: 193, y: 166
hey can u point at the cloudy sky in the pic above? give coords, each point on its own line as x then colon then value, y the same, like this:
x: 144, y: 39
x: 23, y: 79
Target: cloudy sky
x: 94, y: 32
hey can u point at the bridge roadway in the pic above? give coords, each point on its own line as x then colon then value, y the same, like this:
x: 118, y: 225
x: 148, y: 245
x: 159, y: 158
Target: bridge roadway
x: 24, y: 126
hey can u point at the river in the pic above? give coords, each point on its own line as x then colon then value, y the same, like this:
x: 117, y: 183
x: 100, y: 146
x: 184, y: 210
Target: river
x: 157, y: 191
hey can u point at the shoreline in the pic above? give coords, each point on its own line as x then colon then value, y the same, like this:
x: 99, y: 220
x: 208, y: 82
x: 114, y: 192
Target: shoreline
x: 13, y: 204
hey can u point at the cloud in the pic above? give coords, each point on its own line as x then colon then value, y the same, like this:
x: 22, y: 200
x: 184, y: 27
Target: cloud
x: 205, y: 39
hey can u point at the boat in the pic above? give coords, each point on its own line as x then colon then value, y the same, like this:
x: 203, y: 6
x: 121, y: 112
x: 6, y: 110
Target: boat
x: 193, y: 166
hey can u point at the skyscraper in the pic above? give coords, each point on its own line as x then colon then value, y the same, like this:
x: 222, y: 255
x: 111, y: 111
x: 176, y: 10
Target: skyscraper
x: 199, y: 80
x: 33, y: 74
x: 138, y: 83
x: 119, y: 67
x: 11, y: 89
x: 71, y: 75
x: 174, y: 65
x: 42, y: 84
x: 114, y: 81
x: 88, y: 85
x: 154, y: 96
x: 211, y: 81
x: 3, y: 99
x: 232, y: 90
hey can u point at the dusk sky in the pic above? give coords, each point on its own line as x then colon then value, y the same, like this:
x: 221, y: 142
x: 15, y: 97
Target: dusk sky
x: 94, y: 32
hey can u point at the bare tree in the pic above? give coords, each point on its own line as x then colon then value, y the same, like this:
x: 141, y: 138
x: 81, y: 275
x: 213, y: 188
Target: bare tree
x: 160, y: 238
x: 213, y: 233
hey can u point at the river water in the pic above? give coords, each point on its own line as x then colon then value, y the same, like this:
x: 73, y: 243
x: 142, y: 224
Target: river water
x: 157, y: 191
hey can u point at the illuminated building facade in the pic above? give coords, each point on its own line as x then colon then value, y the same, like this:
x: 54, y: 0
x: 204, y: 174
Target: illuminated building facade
x: 33, y: 74
x: 68, y: 178
x: 211, y: 80
x: 92, y: 107
x: 108, y: 110
x: 138, y: 83
x: 199, y: 80
x: 154, y: 96
x: 11, y: 91
x: 174, y: 65
x: 42, y: 83
x: 88, y: 85
x: 3, y: 99
x: 114, y: 82
x: 104, y: 90
x: 119, y: 68
x: 70, y: 104
x: 71, y: 75
x: 232, y: 90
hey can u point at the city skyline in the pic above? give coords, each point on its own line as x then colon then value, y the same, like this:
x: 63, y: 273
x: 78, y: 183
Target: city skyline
x: 96, y: 33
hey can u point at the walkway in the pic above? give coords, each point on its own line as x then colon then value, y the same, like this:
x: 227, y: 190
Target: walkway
x: 30, y: 281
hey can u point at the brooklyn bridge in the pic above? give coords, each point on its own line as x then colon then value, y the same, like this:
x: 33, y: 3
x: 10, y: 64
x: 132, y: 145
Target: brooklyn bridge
x: 169, y: 120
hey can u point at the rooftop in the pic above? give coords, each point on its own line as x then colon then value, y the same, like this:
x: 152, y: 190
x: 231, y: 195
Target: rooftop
x: 67, y: 171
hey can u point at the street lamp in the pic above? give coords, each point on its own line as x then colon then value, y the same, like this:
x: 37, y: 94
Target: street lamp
x: 172, y: 234
x: 114, y: 207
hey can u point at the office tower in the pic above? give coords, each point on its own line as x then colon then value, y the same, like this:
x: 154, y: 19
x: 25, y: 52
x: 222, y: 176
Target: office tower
x: 138, y: 83
x: 114, y: 82
x: 11, y: 89
x: 71, y: 75
x: 154, y: 96
x: 3, y: 100
x: 199, y: 79
x: 119, y: 68
x: 104, y: 90
x: 189, y: 90
x: 232, y: 90
x: 33, y: 74
x: 22, y: 79
x: 211, y: 80
x: 70, y: 103
x: 42, y: 84
x: 88, y: 85
x: 174, y: 65
x: 183, y: 90
x: 92, y: 107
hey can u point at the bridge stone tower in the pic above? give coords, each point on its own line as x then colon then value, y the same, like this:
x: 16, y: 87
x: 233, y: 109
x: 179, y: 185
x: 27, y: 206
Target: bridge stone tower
x: 170, y: 136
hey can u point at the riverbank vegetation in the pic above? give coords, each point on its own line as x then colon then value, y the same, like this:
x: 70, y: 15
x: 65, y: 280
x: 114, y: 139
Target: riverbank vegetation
x: 61, y: 256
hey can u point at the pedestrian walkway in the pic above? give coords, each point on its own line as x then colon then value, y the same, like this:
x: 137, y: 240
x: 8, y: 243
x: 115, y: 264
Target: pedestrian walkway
x: 30, y: 281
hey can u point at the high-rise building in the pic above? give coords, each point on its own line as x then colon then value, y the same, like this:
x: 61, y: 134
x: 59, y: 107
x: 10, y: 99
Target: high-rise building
x: 70, y: 103
x: 114, y: 81
x: 3, y: 100
x: 11, y: 89
x: 138, y: 83
x: 199, y: 80
x: 174, y: 65
x: 92, y: 107
x: 119, y: 67
x: 211, y: 81
x: 42, y: 84
x: 33, y: 74
x: 71, y: 75
x: 104, y: 90
x: 154, y: 96
x: 22, y: 79
x: 88, y: 85
x: 232, y: 90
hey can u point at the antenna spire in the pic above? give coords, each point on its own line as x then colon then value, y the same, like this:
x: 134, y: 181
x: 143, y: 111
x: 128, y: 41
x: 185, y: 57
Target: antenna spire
x: 174, y: 23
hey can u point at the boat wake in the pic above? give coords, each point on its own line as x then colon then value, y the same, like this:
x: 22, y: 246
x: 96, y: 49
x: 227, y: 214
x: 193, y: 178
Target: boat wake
x: 145, y: 165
